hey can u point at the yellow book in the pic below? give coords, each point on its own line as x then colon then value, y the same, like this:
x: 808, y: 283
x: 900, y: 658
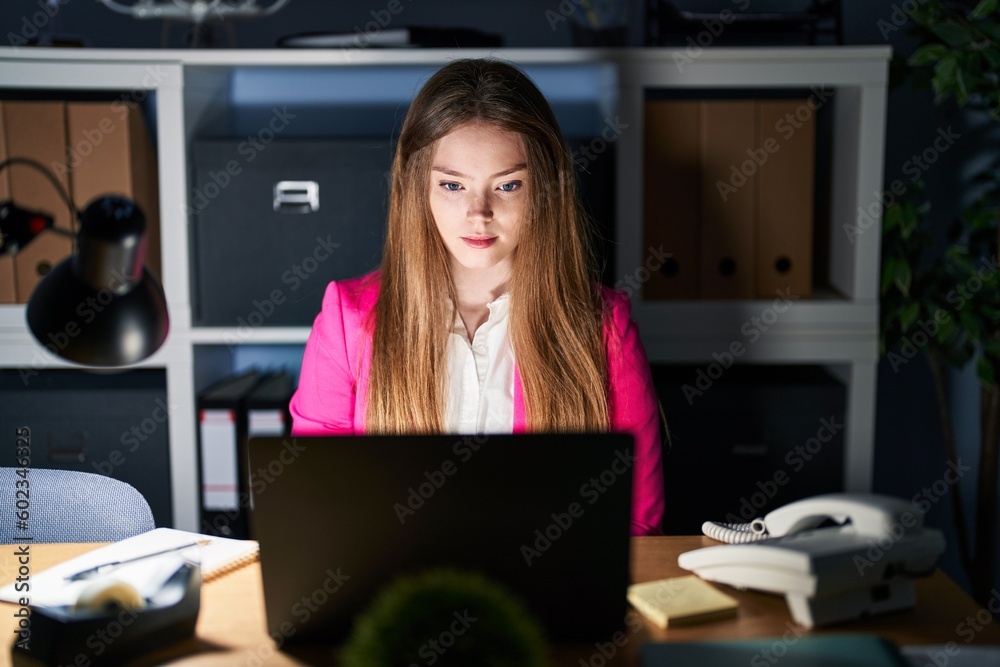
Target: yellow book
x: 680, y: 601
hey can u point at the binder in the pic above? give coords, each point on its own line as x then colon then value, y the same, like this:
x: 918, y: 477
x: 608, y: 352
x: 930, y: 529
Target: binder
x: 37, y: 130
x: 729, y: 173
x: 4, y: 154
x: 268, y: 413
x: 222, y: 434
x: 671, y: 197
x: 785, y: 200
x: 8, y: 287
x: 729, y: 194
x: 110, y: 150
x: 267, y: 406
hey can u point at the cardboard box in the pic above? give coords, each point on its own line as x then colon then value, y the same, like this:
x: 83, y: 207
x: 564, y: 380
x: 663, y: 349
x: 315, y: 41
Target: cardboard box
x: 109, y: 151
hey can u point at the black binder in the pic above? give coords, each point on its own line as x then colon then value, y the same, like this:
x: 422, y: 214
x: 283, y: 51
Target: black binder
x: 222, y: 435
x: 267, y: 406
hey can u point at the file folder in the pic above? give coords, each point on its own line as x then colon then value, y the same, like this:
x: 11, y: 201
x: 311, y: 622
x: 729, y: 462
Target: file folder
x: 728, y: 243
x: 222, y: 435
x: 8, y: 286
x: 785, y: 199
x: 110, y: 150
x: 728, y: 189
x: 37, y: 130
x: 671, y: 197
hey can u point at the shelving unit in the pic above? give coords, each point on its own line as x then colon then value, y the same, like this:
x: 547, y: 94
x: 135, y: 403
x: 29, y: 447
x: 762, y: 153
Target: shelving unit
x: 204, y: 93
x: 838, y: 326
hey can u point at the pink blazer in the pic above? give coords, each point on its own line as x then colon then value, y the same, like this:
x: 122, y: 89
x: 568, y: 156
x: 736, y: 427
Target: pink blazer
x: 333, y: 385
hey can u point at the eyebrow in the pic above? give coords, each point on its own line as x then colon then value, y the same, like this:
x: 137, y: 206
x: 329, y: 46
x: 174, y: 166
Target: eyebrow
x: 451, y: 172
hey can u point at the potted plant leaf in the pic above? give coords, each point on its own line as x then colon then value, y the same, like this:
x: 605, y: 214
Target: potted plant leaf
x: 945, y: 304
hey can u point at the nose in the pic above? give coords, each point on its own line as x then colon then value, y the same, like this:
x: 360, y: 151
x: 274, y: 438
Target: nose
x: 480, y: 209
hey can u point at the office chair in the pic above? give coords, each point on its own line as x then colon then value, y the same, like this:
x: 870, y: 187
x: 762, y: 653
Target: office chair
x: 71, y: 506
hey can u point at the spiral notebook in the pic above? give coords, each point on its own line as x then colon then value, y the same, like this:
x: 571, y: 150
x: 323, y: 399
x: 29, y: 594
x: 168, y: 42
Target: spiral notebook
x: 136, y: 560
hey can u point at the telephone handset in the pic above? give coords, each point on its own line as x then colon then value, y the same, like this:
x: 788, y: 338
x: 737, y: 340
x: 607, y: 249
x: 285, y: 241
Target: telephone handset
x: 869, y: 514
x: 860, y: 565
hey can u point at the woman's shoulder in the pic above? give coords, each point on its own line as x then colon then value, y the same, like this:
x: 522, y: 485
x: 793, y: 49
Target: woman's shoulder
x: 356, y: 294
x: 617, y: 307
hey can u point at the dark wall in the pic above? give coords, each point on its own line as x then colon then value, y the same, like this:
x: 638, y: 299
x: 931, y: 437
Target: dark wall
x: 522, y: 22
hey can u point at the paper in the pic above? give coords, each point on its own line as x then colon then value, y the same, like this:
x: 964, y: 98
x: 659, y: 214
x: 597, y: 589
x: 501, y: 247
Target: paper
x: 219, y: 466
x: 680, y: 600
x: 50, y: 587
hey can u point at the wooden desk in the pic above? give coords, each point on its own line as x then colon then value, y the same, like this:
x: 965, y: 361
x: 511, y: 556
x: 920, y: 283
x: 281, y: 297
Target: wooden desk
x: 232, y: 629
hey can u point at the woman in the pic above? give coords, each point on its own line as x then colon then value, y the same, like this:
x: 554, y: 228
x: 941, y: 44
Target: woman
x: 484, y: 316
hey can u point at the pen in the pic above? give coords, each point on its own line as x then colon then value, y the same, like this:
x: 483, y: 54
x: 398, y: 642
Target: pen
x: 101, y: 569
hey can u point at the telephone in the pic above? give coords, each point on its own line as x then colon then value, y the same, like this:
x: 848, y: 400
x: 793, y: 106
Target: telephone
x: 862, y: 564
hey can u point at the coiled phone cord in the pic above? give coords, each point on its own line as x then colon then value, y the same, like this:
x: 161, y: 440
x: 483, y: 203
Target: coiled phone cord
x: 736, y: 533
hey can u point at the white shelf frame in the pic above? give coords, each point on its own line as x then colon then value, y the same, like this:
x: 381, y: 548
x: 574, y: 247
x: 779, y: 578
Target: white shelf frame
x: 192, y: 86
x: 840, y: 332
x: 18, y: 348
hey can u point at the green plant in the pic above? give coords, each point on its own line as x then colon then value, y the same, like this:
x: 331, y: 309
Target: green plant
x: 445, y: 617
x: 947, y: 303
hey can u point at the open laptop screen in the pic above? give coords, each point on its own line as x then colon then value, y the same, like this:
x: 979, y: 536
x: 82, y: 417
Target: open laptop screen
x: 546, y: 516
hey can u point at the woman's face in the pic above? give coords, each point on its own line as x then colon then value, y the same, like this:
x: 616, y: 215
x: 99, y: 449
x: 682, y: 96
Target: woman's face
x: 478, y: 195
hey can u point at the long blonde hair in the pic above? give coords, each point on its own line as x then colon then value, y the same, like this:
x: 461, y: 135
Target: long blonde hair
x: 556, y: 310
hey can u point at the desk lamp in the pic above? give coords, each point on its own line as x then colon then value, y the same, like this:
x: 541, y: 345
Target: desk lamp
x: 100, y: 306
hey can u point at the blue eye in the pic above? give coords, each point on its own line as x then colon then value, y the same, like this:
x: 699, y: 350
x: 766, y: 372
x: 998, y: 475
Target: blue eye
x: 451, y: 187
x: 511, y: 186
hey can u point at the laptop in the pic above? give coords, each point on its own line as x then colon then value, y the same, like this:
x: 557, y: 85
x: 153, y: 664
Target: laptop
x: 545, y: 516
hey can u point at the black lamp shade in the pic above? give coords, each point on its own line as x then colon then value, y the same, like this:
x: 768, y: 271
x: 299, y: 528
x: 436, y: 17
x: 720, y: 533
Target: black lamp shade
x: 101, y: 307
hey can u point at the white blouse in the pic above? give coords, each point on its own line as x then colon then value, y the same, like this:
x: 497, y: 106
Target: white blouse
x: 480, y: 394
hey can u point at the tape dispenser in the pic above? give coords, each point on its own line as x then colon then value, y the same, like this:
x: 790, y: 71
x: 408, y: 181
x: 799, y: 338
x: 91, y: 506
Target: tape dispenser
x: 112, y: 621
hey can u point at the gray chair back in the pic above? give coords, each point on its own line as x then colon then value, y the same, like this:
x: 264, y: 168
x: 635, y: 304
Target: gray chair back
x: 71, y: 506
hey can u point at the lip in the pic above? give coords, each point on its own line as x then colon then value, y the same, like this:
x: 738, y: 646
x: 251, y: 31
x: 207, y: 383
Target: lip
x: 479, y: 241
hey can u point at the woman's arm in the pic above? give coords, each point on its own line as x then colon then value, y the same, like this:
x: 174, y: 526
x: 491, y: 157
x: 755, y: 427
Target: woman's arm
x: 635, y: 410
x: 323, y: 404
